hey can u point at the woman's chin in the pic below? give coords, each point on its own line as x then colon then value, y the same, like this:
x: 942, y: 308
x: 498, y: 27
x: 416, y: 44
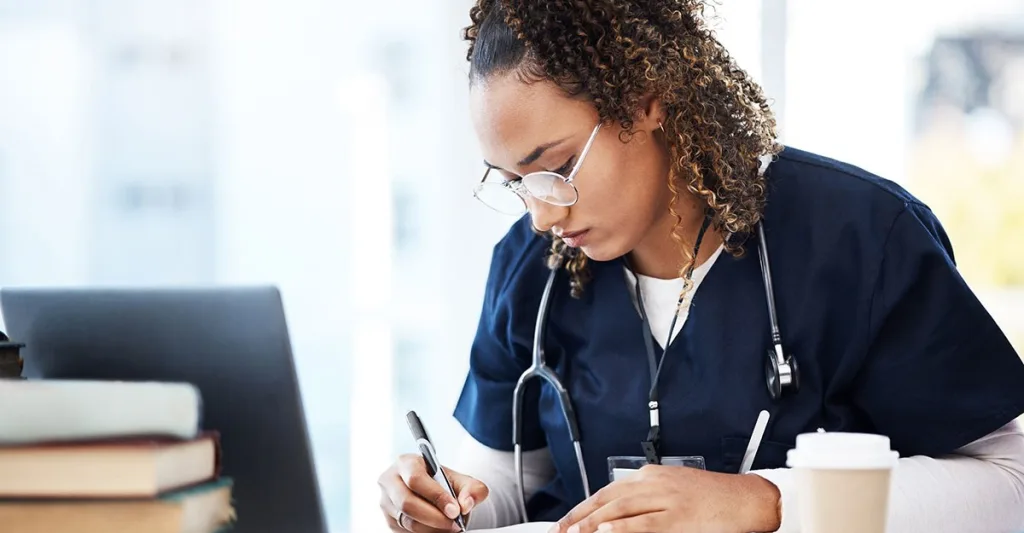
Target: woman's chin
x: 599, y: 252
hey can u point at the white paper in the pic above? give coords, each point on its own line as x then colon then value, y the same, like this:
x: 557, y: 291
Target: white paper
x: 618, y: 474
x: 531, y: 527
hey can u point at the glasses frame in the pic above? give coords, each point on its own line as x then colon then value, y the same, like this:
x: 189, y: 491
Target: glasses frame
x: 520, y: 189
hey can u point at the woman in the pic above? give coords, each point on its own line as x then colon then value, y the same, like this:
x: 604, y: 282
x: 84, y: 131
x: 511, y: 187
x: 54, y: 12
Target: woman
x: 667, y: 166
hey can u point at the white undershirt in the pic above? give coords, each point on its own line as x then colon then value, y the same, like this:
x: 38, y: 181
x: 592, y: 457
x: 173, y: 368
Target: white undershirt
x: 980, y: 488
x: 660, y: 297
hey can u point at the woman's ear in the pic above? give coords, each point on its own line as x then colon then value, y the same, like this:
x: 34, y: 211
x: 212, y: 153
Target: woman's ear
x: 652, y: 114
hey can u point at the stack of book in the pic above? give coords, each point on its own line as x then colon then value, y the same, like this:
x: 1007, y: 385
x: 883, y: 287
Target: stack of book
x: 108, y: 457
x: 11, y: 363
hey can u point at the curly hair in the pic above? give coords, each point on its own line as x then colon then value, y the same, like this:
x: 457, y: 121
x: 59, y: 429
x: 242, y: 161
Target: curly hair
x: 615, y: 53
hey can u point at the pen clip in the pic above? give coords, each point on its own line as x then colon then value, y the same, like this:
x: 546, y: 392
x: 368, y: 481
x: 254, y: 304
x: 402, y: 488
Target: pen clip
x: 429, y: 455
x: 423, y: 442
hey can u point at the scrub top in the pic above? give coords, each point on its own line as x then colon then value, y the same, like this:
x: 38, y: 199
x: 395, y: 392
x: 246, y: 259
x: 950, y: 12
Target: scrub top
x: 888, y: 336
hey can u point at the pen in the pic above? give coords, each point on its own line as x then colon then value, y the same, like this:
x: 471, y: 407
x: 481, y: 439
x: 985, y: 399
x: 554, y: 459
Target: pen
x: 755, y: 442
x: 434, y: 468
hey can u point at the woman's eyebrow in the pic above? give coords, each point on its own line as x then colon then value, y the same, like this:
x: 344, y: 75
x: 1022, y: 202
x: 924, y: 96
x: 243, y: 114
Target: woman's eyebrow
x: 534, y: 155
x: 539, y: 151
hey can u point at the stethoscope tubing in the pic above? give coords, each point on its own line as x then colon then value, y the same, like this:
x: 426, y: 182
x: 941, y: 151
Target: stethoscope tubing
x: 784, y: 370
x: 540, y: 369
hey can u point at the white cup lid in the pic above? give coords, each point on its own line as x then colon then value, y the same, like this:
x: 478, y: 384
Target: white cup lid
x: 837, y: 450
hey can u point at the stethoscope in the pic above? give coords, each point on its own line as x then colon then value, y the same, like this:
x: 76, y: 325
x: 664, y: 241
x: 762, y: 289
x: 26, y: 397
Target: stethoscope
x: 782, y: 374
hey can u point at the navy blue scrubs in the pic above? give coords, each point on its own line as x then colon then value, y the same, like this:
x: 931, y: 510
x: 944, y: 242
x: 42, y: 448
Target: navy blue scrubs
x: 888, y: 336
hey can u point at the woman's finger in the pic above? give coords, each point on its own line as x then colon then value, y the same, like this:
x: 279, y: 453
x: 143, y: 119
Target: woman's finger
x: 414, y: 474
x: 415, y: 508
x: 390, y: 513
x: 471, y: 491
x: 606, y: 495
x: 412, y: 526
x: 408, y: 523
x: 618, y: 509
x: 644, y: 523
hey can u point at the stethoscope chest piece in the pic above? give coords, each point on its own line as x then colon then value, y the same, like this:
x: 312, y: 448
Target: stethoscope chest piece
x: 782, y: 374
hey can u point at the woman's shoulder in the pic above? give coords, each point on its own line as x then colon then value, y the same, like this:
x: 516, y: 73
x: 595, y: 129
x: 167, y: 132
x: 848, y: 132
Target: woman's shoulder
x: 799, y: 175
x: 829, y: 200
x: 518, y: 260
x: 521, y: 241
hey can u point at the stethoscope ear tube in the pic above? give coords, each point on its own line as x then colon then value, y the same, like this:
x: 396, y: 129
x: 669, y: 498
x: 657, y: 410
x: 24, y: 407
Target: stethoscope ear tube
x: 769, y: 290
x: 542, y: 320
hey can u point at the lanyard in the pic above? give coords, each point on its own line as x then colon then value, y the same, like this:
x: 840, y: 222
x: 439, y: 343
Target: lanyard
x: 651, y: 445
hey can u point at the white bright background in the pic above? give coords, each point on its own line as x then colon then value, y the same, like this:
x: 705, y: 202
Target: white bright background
x: 324, y: 146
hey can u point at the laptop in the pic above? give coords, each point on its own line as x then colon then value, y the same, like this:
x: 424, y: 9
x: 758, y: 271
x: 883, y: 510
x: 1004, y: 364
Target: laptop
x: 232, y: 343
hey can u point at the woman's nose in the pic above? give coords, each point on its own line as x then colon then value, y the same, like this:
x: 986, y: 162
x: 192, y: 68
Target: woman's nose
x: 545, y: 215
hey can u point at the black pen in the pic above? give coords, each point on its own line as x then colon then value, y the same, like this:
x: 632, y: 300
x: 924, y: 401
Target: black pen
x: 430, y: 458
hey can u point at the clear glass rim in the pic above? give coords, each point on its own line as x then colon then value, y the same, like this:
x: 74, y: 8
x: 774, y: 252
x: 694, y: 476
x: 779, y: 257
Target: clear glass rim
x: 524, y: 180
x: 522, y: 206
x: 480, y: 187
x: 557, y: 178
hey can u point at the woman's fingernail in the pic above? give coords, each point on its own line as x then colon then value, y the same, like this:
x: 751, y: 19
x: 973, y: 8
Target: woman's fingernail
x: 456, y: 528
x: 604, y: 528
x: 468, y: 503
x: 575, y: 528
x: 451, y: 511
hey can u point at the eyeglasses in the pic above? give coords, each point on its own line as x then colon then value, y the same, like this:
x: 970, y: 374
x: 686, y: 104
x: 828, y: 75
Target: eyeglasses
x: 509, y: 196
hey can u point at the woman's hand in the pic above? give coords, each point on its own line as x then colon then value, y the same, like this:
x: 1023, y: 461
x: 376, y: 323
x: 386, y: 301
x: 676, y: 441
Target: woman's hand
x: 413, y: 501
x: 670, y: 499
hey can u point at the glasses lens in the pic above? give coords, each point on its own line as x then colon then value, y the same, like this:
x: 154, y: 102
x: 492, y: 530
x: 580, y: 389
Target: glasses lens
x: 500, y: 198
x: 551, y: 188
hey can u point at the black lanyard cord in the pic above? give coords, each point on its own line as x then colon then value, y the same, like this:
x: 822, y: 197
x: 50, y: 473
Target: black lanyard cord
x: 655, y: 365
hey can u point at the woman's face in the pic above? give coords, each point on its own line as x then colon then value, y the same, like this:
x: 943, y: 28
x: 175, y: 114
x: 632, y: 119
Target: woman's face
x: 623, y: 186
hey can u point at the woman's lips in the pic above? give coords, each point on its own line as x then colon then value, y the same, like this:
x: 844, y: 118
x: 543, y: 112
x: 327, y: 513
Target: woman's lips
x: 575, y: 239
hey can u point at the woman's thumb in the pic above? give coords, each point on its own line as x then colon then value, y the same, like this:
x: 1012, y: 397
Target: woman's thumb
x: 471, y: 491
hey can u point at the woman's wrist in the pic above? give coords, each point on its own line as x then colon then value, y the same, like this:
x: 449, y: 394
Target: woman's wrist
x: 762, y: 510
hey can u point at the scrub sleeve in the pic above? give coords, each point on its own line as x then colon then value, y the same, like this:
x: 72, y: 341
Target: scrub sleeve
x: 939, y: 373
x: 502, y: 348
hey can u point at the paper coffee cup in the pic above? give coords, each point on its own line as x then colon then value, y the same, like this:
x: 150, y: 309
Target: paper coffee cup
x: 843, y: 481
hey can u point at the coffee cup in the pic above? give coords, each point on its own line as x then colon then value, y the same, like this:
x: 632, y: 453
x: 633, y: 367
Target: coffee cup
x: 843, y: 481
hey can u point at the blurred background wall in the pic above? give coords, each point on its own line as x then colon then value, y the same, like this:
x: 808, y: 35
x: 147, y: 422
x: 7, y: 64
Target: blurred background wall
x: 324, y: 146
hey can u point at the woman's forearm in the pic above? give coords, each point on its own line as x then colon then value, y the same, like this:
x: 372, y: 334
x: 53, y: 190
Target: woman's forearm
x: 496, y: 469
x: 980, y: 488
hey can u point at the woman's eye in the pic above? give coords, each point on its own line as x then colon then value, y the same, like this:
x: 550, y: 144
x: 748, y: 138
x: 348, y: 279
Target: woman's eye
x: 508, y: 177
x: 566, y: 168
